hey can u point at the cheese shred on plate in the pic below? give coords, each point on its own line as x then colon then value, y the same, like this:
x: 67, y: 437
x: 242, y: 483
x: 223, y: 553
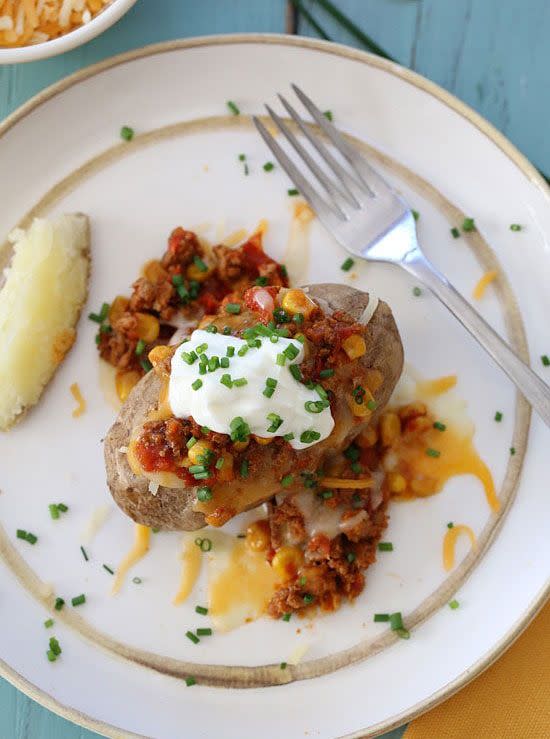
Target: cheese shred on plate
x: 26, y: 22
x: 44, y: 288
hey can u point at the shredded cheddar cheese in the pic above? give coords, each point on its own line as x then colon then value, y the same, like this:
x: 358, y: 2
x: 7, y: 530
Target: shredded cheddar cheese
x: 343, y: 483
x: 139, y: 550
x: 449, y: 543
x: 483, y: 283
x: 77, y: 395
x: 25, y: 22
x: 191, y: 565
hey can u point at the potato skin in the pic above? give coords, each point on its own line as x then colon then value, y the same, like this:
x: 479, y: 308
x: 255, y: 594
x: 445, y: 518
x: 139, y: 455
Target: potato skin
x: 172, y: 509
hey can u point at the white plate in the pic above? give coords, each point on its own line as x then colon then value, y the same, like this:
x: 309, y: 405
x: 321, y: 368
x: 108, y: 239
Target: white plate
x: 63, y: 154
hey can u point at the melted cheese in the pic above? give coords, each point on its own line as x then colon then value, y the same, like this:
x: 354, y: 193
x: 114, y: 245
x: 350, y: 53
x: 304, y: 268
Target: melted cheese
x: 96, y: 521
x: 318, y: 518
x: 137, y: 552
x: 191, y: 557
x: 484, y: 281
x: 166, y: 479
x: 240, y: 582
x: 430, y: 388
x: 449, y: 543
x: 77, y: 395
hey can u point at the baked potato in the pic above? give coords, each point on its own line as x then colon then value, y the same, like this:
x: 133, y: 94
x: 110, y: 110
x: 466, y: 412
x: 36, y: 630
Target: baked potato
x: 365, y: 371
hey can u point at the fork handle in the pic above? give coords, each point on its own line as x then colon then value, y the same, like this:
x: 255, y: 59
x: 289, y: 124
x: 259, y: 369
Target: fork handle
x: 528, y: 383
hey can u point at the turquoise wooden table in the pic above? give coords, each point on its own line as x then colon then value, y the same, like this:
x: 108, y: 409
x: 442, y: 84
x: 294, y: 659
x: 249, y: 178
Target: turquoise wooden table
x: 493, y: 54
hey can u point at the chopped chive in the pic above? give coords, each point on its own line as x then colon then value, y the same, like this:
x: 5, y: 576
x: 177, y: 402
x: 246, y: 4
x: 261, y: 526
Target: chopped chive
x: 84, y: 554
x: 233, y: 108
x: 287, y: 480
x: 308, y: 598
x: 415, y: 214
x: 204, y: 632
x: 219, y: 463
x: 78, y: 600
x: 49, y: 623
x: 283, y: 665
x: 372, y: 405
x: 292, y: 192
x: 177, y: 280
x: 403, y: 633
x: 261, y: 281
x: 327, y: 494
x: 241, y: 536
x: 190, y: 681
x: 356, y: 501
x: 21, y: 534
x: 288, y: 437
x: 396, y: 621
x: 205, y: 430
x: 51, y: 656
x: 296, y: 372
x: 192, y: 637
x: 54, y: 646
x: 244, y: 468
x: 356, y: 467
x: 189, y: 357
x: 417, y: 292
x: 276, y: 422
x: 271, y: 382
x: 230, y: 351
x: 512, y: 450
x: 455, y: 232
x: 126, y: 133
x: 211, y: 328
x: 286, y: 617
x: 95, y: 317
x: 498, y: 416
x: 268, y: 166
x: 200, y: 265
x: 146, y: 365
x: 213, y: 364
x: 62, y: 507
x: 224, y: 362
x: 227, y: 332
x: 450, y: 525
x: 240, y: 382
x: 206, y: 545
x: 202, y: 475
x: 309, y: 436
x: 234, y: 308
x: 351, y: 557
x: 197, y: 384
x: 242, y: 157
x: 268, y: 392
x: 385, y: 546
x: 280, y: 315
x: 203, y: 368
x: 204, y: 493
x: 468, y: 224
x: 59, y: 603
x: 352, y: 453
x: 191, y: 442
x: 291, y: 351
x: 137, y: 580
x: 109, y: 570
x: 326, y: 373
x: 381, y: 617
x: 515, y: 227
x: 54, y: 510
x: 302, y: 582
x: 545, y: 360
x: 140, y: 347
x: 201, y: 348
x: 314, y: 406
x: 281, y: 359
x: 347, y: 264
x: 454, y: 604
x: 328, y: 115
x: 439, y: 426
x: 105, y: 329
x: 433, y: 452
x: 201, y: 610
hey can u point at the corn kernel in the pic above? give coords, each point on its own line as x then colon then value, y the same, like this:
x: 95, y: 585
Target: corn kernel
x: 148, y: 327
x: 154, y: 271
x: 262, y: 440
x: 296, y: 301
x: 124, y: 382
x: 367, y: 438
x: 286, y: 562
x: 390, y: 428
x: 197, y: 450
x: 396, y: 482
x: 354, y: 346
x: 194, y: 273
x: 240, y: 446
x: 118, y: 306
x: 258, y: 536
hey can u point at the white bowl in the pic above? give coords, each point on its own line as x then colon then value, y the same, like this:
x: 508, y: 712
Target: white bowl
x: 70, y: 40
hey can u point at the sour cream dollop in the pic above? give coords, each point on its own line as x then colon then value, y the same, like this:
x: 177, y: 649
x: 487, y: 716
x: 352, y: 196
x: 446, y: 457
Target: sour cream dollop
x: 212, y: 403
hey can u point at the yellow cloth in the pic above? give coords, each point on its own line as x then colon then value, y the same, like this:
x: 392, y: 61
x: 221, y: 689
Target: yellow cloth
x: 510, y: 700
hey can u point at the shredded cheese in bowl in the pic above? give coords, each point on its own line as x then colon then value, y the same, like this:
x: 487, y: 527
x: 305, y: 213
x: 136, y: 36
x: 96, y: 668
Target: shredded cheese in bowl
x: 28, y: 22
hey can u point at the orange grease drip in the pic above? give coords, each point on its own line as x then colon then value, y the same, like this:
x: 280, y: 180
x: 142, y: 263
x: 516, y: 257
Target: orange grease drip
x: 190, y: 569
x: 449, y: 543
x: 458, y: 456
x: 243, y: 588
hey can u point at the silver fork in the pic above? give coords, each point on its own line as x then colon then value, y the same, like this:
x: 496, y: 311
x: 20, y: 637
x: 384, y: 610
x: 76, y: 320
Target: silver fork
x: 370, y: 220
